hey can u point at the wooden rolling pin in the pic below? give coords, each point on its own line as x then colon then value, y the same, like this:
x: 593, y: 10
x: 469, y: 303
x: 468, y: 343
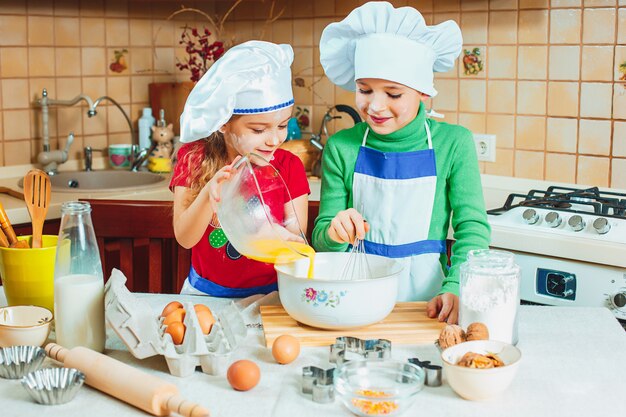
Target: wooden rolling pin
x: 126, y: 383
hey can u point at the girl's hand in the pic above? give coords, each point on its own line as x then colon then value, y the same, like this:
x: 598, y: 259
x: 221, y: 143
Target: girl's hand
x: 214, y: 186
x: 348, y: 225
x: 445, y: 307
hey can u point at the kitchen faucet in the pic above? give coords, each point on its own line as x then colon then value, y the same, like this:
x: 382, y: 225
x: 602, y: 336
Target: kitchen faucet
x: 51, y: 159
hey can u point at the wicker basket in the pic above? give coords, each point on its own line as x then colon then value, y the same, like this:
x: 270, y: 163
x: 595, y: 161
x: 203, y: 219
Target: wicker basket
x: 303, y: 149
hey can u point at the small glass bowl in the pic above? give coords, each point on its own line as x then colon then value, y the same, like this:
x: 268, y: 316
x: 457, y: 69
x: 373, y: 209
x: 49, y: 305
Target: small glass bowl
x: 376, y: 387
x: 52, y: 386
x: 17, y: 361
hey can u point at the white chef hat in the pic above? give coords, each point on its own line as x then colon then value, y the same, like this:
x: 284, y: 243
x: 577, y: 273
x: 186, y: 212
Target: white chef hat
x: 377, y: 40
x: 253, y: 77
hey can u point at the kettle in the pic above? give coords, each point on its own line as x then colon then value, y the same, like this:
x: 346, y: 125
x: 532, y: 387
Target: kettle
x: 316, y: 140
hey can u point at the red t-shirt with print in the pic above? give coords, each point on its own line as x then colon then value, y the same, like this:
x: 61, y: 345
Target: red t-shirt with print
x: 213, y: 257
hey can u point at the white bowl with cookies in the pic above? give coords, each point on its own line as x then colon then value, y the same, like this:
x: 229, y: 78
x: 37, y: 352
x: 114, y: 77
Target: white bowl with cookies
x: 480, y: 369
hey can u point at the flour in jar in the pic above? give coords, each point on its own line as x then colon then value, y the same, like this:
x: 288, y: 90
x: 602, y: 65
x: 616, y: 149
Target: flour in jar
x: 492, y: 300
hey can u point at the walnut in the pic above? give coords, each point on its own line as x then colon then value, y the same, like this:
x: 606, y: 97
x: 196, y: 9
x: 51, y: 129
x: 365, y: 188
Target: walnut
x: 478, y: 361
x: 451, y: 335
x: 477, y: 331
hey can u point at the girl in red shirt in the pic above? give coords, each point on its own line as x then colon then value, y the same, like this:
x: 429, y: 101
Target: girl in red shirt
x: 241, y: 105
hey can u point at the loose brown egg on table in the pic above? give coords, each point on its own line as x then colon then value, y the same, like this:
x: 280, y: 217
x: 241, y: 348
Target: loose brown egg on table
x: 176, y: 315
x: 177, y: 331
x: 174, y: 305
x: 285, y: 349
x: 243, y: 375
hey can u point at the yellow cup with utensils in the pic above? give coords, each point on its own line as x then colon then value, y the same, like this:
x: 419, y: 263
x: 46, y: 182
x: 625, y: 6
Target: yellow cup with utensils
x: 28, y: 274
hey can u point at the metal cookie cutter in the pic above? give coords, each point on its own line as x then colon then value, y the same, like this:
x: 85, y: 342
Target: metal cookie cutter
x: 374, y: 348
x: 319, y: 383
x: 432, y: 372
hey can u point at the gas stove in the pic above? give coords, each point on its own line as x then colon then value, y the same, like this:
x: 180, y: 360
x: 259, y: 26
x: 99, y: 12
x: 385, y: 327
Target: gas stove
x: 570, y: 243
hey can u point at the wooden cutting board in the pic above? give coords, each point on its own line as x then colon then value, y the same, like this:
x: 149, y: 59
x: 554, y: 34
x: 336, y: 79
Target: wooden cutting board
x: 406, y: 324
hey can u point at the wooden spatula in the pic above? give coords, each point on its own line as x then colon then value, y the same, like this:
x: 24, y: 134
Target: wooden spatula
x: 37, y: 197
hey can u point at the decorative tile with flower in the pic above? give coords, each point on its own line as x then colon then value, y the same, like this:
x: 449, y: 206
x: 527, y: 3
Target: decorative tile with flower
x: 622, y: 69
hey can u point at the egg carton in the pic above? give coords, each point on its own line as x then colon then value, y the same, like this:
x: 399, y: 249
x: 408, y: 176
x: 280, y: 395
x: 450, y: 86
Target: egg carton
x: 143, y: 332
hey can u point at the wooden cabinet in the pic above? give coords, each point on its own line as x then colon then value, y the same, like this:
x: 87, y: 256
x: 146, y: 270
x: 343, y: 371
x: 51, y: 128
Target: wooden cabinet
x: 137, y: 237
x: 50, y: 227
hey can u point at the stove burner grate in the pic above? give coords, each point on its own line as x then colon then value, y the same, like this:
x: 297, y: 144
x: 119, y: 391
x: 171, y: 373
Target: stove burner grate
x: 572, y: 200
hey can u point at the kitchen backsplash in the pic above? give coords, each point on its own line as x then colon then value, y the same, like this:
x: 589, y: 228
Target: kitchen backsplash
x: 547, y: 77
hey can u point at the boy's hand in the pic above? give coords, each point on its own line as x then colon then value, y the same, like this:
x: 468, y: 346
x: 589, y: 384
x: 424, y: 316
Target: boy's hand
x: 348, y: 225
x: 214, y: 186
x: 445, y: 307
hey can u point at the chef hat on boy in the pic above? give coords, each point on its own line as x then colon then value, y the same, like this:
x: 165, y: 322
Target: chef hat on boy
x: 253, y: 77
x: 377, y: 40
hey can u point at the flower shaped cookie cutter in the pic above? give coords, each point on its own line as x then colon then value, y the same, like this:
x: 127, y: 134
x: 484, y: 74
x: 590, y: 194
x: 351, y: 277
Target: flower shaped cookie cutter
x: 372, y: 348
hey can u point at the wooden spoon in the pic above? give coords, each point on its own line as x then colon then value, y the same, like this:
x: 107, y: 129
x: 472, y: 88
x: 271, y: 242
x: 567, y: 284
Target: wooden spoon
x: 5, y: 224
x: 37, y: 197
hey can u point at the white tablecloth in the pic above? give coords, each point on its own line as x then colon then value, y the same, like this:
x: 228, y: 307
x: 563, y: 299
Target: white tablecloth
x: 574, y: 364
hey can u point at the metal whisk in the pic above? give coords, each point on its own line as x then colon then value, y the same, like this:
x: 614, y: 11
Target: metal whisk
x: 357, y: 266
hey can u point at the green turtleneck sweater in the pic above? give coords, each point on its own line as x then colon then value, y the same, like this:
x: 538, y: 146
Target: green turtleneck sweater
x: 458, y: 197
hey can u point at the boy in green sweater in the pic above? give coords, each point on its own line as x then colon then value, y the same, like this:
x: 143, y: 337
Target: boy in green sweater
x: 409, y: 176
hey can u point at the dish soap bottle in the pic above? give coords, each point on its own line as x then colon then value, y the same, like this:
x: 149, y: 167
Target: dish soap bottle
x: 78, y: 281
x: 146, y: 121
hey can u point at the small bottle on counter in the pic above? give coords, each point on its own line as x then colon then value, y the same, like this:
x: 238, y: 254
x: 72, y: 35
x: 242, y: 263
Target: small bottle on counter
x: 489, y: 293
x: 145, y: 123
x: 78, y: 281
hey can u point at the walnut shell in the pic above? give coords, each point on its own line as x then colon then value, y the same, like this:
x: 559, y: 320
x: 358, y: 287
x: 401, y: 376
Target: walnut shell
x: 478, y: 361
x: 451, y: 335
x: 477, y: 331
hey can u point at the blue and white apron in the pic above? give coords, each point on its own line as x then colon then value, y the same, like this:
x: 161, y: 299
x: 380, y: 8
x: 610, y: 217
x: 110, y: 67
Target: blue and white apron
x: 395, y: 193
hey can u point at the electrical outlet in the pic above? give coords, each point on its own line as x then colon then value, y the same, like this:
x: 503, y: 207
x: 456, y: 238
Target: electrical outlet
x: 485, y: 147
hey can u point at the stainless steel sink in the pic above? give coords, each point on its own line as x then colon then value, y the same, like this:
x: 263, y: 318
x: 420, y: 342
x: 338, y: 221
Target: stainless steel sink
x: 101, y: 181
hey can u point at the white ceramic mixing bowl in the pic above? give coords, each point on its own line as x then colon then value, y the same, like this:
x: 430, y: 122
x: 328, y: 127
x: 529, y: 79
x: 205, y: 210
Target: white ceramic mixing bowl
x: 330, y: 301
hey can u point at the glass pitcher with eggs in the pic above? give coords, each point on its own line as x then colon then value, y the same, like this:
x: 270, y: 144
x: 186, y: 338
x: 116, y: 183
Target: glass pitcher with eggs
x: 489, y: 293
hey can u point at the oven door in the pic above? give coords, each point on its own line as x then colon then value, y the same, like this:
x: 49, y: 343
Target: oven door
x: 564, y: 282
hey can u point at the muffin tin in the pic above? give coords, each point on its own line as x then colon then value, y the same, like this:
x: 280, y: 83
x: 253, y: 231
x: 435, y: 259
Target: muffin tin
x: 17, y: 361
x: 142, y: 331
x: 52, y: 386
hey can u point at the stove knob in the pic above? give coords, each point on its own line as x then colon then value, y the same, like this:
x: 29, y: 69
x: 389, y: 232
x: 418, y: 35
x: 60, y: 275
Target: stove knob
x: 576, y: 222
x: 553, y: 219
x: 530, y: 216
x: 619, y: 299
x: 601, y: 225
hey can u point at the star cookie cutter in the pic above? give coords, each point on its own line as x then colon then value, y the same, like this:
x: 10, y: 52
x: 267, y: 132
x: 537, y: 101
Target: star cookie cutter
x: 319, y: 383
x: 432, y: 373
x: 373, y: 348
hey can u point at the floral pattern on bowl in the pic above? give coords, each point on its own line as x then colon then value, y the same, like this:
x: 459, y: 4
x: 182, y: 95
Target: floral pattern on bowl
x: 327, y: 299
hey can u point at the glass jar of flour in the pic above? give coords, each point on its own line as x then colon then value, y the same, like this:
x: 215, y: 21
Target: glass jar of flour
x: 489, y: 285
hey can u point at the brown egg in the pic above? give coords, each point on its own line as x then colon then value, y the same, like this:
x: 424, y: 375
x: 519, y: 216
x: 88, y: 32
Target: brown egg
x: 243, y: 375
x: 206, y: 320
x: 177, y: 331
x: 176, y: 315
x: 285, y: 349
x: 171, y: 307
x: 201, y: 307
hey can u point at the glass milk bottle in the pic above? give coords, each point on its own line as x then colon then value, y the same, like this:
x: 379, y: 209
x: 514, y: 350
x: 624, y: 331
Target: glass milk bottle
x: 78, y: 281
x: 489, y: 285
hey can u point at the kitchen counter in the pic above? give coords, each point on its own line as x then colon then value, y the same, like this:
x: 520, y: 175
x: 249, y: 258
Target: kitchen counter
x: 573, y: 364
x: 495, y: 190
